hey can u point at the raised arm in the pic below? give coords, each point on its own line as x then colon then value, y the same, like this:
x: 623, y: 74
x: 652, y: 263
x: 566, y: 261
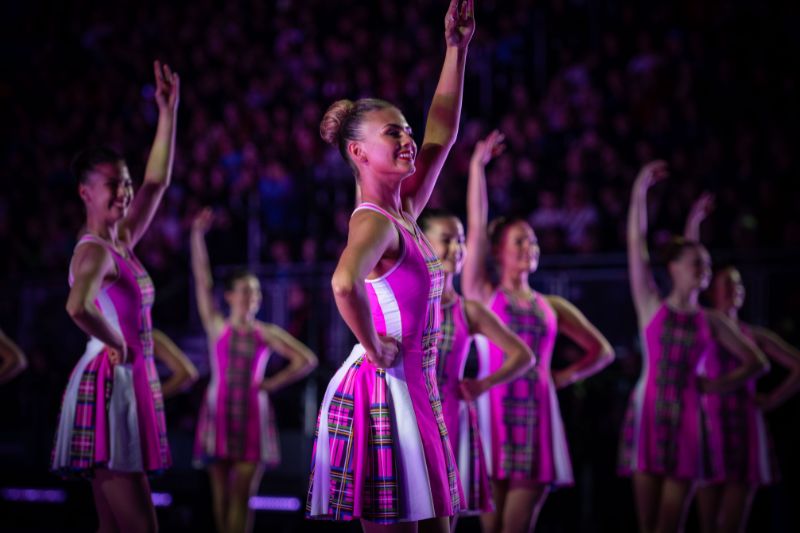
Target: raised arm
x: 475, y: 282
x: 754, y: 362
x: 12, y: 360
x: 787, y: 356
x: 201, y: 269
x: 301, y: 359
x: 91, y: 264
x: 598, y: 351
x: 445, y: 111
x: 518, y: 355
x: 158, y: 172
x: 370, y: 236
x: 643, y: 286
x: 700, y: 210
x: 183, y: 373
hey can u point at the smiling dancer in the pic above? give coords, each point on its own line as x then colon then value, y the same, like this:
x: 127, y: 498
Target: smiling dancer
x: 382, y: 453
x: 748, y: 461
x: 460, y: 320
x: 669, y: 440
x: 236, y: 433
x: 112, y: 426
x: 525, y: 436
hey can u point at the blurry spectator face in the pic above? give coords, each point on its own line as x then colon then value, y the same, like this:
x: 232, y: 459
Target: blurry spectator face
x: 446, y: 235
x: 727, y: 289
x: 387, y: 147
x: 691, y: 270
x: 107, y: 191
x: 244, y: 298
x: 519, y: 248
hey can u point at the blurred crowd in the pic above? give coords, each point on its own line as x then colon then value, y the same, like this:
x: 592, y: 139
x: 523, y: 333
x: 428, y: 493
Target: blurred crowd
x: 585, y: 92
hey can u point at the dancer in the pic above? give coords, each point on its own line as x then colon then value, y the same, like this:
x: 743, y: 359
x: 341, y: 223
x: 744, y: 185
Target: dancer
x: 748, y: 461
x: 525, y: 435
x: 112, y: 426
x: 183, y: 374
x: 236, y: 433
x: 382, y: 453
x: 12, y: 359
x: 460, y: 320
x: 669, y: 440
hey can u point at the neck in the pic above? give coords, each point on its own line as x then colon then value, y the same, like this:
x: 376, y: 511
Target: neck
x: 683, y: 300
x: 449, y: 292
x: 731, y: 312
x: 381, y: 192
x: 239, y: 321
x: 515, y: 281
x: 102, y: 229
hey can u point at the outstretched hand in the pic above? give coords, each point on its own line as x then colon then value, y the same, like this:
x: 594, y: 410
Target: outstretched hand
x: 167, y: 87
x: 488, y: 148
x: 652, y: 173
x: 701, y: 208
x: 459, y: 23
x: 202, y: 222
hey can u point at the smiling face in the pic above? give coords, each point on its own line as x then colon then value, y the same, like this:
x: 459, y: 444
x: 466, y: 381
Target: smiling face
x: 691, y: 269
x: 519, y: 248
x: 107, y: 191
x: 727, y: 290
x: 386, y: 147
x: 446, y: 235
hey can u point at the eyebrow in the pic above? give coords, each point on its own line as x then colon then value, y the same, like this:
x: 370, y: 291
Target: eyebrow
x: 399, y: 126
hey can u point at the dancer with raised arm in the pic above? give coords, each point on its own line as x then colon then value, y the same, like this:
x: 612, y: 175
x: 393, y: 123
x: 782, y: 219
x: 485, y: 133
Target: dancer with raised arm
x: 236, y: 433
x: 382, y: 453
x: 111, y: 427
x: 523, y: 430
x: 748, y: 459
x: 669, y: 440
x: 460, y: 320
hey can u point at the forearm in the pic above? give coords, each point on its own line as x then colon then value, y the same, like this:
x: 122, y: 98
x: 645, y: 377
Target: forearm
x: 474, y: 275
x: 297, y: 370
x: 11, y: 367
x: 353, y: 305
x: 593, y: 362
x: 445, y: 111
x: 514, y: 365
x: 94, y: 324
x: 737, y: 377
x: 788, y: 388
x: 159, y: 165
x: 176, y: 383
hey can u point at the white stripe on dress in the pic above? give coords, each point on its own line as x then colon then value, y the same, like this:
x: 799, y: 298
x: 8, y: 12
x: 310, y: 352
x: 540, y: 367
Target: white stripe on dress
x: 563, y: 466
x: 483, y: 403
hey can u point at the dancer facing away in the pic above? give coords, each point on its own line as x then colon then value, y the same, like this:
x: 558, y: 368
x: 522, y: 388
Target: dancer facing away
x: 12, y: 359
x: 382, y: 453
x: 748, y: 461
x: 112, y: 426
x: 460, y: 320
x: 669, y: 440
x: 236, y: 433
x: 527, y: 446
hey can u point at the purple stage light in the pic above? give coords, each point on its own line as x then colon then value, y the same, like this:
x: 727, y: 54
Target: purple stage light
x: 275, y: 503
x: 15, y: 494
x: 161, y: 499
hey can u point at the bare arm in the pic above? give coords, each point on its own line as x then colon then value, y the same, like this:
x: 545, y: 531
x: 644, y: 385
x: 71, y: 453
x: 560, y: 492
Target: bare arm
x: 475, y: 281
x: 786, y: 355
x: 370, y: 236
x: 301, y: 359
x: 91, y: 264
x: 573, y: 324
x: 158, y: 172
x: 518, y: 355
x: 445, y: 111
x: 12, y: 360
x: 643, y: 286
x: 183, y: 373
x: 700, y: 210
x: 201, y: 270
x: 754, y: 362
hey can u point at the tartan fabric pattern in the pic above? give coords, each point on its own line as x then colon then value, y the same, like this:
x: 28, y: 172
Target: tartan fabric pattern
x: 430, y: 342
x: 673, y: 373
x: 237, y: 377
x: 521, y: 409
x: 477, y: 493
x: 733, y: 413
x: 83, y: 443
x: 446, y: 339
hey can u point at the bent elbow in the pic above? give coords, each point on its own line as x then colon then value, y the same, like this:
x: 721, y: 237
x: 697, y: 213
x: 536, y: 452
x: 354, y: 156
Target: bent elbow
x: 76, y: 310
x: 343, y: 285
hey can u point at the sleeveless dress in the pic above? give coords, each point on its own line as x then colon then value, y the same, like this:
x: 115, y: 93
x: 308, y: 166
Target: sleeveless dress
x: 381, y: 450
x: 461, y: 417
x: 667, y: 430
x: 236, y: 421
x: 521, y: 421
x: 113, y: 416
x: 747, y: 449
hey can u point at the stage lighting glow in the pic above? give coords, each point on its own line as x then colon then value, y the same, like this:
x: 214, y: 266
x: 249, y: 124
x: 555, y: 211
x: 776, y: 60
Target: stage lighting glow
x: 275, y: 503
x: 15, y: 494
x: 161, y: 499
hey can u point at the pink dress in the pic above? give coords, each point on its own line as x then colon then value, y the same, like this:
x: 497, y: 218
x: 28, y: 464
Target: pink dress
x: 381, y: 450
x: 236, y: 420
x: 747, y: 449
x: 521, y: 421
x: 667, y: 431
x: 113, y: 417
x: 461, y: 417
